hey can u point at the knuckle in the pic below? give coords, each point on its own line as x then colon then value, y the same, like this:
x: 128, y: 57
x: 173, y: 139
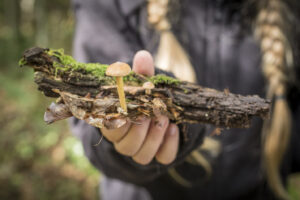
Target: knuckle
x: 141, y: 161
x: 164, y: 160
x: 115, y: 135
x: 125, y: 150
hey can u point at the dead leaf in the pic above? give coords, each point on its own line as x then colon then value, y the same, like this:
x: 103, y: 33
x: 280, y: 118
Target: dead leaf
x: 115, y: 123
x: 56, y: 112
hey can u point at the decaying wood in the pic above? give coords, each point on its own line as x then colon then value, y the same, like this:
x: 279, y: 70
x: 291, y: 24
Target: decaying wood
x: 82, y: 95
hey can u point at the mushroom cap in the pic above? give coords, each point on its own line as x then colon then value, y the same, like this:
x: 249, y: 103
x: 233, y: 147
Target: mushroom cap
x: 118, y: 69
x: 148, y: 85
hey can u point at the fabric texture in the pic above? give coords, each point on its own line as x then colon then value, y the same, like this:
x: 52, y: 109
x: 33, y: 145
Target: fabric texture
x: 224, y: 56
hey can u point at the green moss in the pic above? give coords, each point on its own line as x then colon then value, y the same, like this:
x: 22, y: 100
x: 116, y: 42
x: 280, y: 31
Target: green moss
x: 163, y: 79
x: 132, y: 79
x: 22, y: 62
x: 68, y: 63
x: 96, y: 69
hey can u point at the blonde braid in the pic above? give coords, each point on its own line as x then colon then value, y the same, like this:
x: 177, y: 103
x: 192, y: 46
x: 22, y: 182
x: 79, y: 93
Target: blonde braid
x: 271, y: 29
x: 170, y: 55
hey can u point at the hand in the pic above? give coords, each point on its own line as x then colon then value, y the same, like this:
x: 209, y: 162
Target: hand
x: 152, y: 138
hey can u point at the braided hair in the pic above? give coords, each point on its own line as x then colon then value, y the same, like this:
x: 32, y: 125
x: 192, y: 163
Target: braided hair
x: 272, y: 27
x: 170, y: 55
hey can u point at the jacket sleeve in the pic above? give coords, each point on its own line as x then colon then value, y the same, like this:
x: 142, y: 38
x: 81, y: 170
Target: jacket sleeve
x: 103, y: 34
x: 294, y: 100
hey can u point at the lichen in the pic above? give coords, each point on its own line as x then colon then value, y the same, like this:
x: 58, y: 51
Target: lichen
x: 22, y: 62
x: 163, y: 79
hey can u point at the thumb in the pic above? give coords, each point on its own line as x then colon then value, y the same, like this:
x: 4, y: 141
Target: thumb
x: 143, y: 63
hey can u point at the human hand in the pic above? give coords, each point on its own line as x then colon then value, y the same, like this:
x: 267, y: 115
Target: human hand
x: 151, y: 138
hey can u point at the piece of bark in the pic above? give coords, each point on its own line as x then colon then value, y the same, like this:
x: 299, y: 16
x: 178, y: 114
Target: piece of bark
x: 94, y: 98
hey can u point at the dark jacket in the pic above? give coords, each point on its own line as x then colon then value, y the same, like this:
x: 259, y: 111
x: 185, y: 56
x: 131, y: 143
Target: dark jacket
x: 225, y: 55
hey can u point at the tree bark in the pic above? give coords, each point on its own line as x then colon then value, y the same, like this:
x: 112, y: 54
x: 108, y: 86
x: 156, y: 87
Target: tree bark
x: 85, y: 97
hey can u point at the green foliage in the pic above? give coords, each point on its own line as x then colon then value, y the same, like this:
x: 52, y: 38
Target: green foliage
x: 35, y: 156
x: 294, y: 186
x: 37, y: 161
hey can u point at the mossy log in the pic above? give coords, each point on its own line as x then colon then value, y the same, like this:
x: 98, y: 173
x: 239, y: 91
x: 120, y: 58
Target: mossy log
x: 84, y: 91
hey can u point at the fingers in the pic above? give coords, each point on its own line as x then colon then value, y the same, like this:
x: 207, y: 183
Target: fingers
x: 117, y: 134
x: 153, y: 140
x: 133, y: 140
x: 168, y: 150
x: 150, y: 139
x: 143, y: 63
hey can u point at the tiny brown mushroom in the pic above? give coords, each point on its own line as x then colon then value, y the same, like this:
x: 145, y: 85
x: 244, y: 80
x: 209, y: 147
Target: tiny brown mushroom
x: 118, y: 70
x: 148, y: 87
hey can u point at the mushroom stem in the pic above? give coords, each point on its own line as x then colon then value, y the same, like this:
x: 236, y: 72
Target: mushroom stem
x: 118, y: 70
x: 120, y: 87
x: 148, y: 91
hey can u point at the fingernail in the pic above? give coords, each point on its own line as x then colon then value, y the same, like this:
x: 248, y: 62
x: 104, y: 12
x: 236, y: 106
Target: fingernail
x: 172, y: 129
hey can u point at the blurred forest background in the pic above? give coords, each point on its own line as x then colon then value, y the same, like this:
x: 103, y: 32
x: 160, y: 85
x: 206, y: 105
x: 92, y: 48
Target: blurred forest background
x: 38, y: 161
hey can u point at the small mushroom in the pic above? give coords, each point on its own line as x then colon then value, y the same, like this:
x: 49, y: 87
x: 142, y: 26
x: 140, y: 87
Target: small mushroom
x: 148, y: 87
x: 118, y: 70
